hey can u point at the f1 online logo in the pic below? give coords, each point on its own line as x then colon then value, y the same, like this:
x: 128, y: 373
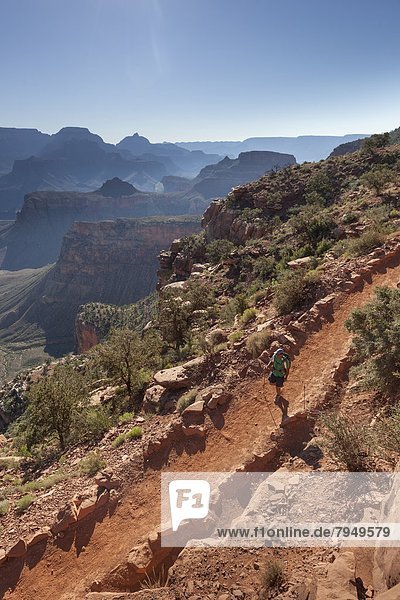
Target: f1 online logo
x: 188, y: 499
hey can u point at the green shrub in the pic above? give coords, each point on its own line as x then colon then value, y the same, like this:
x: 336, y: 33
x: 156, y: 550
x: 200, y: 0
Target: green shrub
x: 272, y: 575
x: 377, y: 178
x: 259, y: 341
x: 349, y: 218
x: 4, y: 507
x: 95, y: 423
x: 294, y: 289
x: 186, y: 400
x: 376, y: 340
x: 219, y: 250
x: 134, y: 433
x: 91, y: 464
x: 118, y: 441
x: 369, y: 240
x: 248, y: 315
x: 221, y: 347
x: 24, y: 503
x: 126, y: 418
x: 348, y: 442
x: 263, y: 268
x: 323, y: 247
x: 258, y: 296
x: 45, y: 483
x: 388, y: 430
x: 235, y: 336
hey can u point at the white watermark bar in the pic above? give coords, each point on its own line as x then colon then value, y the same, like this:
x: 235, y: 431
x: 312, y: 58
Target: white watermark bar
x: 280, y: 509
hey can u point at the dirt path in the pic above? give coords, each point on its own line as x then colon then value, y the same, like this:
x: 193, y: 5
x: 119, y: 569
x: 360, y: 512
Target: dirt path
x: 62, y: 575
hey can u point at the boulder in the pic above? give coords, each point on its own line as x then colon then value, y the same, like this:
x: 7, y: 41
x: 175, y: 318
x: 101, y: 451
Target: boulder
x: 218, y: 396
x: 325, y: 305
x: 300, y: 263
x: 172, y: 379
x: 3, y: 556
x: 17, y: 550
x: 196, y: 408
x: 154, y: 398
x: 87, y: 507
x: 194, y: 430
x: 39, y: 536
x: 140, y: 558
x: 340, y: 582
x: 65, y: 517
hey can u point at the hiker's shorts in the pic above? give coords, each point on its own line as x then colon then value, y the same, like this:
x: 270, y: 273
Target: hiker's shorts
x: 278, y: 381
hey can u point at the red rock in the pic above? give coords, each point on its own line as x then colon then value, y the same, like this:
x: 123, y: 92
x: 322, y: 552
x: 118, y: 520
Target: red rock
x: 38, y: 536
x: 17, y: 550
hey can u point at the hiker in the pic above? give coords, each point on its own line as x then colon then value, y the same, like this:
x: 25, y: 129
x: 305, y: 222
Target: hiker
x: 280, y: 363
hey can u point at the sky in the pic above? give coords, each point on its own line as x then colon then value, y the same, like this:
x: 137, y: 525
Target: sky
x: 182, y: 70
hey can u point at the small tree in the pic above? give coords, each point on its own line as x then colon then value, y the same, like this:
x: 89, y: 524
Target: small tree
x: 125, y: 355
x: 56, y: 402
x: 219, y: 250
x: 377, y: 178
x: 174, y: 320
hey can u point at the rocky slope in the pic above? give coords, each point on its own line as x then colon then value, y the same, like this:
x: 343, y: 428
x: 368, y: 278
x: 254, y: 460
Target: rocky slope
x: 35, y: 238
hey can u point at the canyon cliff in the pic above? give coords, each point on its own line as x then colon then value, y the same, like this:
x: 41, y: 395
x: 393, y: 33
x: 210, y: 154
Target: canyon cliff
x: 35, y: 238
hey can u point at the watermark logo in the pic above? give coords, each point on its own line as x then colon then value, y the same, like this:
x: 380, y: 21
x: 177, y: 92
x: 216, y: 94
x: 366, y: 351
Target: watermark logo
x: 188, y: 499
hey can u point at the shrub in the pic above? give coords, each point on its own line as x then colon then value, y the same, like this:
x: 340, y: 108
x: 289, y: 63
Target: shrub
x: 388, y: 430
x: 273, y: 574
x: 118, y: 441
x: 134, y: 433
x: 376, y: 330
x: 4, y: 507
x: 95, y: 422
x: 235, y: 336
x: 258, y: 296
x: 323, y: 247
x: 45, y: 483
x: 24, y: 503
x: 294, y: 289
x: 369, y: 240
x: 348, y: 442
x: 221, y: 347
x: 219, y: 250
x: 259, y: 341
x: 248, y: 315
x: 263, y: 268
x: 186, y: 400
x: 126, y: 418
x: 377, y: 178
x: 91, y: 464
x: 349, y: 218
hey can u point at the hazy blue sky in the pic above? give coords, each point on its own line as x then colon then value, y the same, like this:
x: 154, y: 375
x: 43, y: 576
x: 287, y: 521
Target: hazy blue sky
x: 200, y: 69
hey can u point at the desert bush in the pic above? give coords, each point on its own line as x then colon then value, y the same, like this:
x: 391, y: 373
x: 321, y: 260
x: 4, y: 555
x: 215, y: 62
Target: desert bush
x: 221, y: 347
x: 259, y: 341
x: 95, y: 422
x: 248, y: 315
x: 349, y: 218
x: 126, y: 418
x: 45, y: 483
x: 377, y: 178
x: 263, y: 268
x: 348, y: 442
x: 378, y: 140
x: 4, y: 507
x: 24, y: 503
x: 186, y: 400
x: 376, y: 339
x: 388, y: 430
x: 258, y: 296
x: 118, y: 441
x: 134, y: 433
x: 235, y: 336
x: 219, y: 250
x: 272, y: 574
x: 294, y: 289
x: 369, y: 240
x: 91, y: 464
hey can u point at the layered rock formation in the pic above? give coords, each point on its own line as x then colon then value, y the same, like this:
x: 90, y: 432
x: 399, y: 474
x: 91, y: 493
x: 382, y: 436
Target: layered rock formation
x: 218, y: 180
x: 35, y: 238
x: 16, y: 144
x: 112, y: 262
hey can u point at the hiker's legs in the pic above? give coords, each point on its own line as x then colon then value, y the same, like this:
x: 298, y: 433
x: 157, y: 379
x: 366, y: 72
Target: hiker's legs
x: 278, y: 391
